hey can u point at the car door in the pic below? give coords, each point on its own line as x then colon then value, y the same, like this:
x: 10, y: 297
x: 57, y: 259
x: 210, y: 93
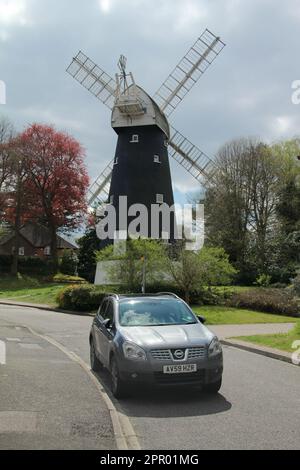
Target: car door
x: 98, y: 326
x: 107, y: 333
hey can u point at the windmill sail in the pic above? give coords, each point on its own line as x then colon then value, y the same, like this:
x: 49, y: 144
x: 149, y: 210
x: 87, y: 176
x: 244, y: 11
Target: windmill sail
x: 93, y: 78
x: 99, y: 190
x: 199, y: 57
x: 196, y: 162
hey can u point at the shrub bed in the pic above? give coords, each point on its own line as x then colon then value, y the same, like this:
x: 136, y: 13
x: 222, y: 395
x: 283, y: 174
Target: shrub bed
x: 67, y: 279
x: 279, y: 301
x: 80, y: 298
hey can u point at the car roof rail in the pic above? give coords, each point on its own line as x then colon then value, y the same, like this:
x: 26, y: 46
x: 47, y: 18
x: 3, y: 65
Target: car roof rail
x: 112, y: 295
x: 156, y: 294
x: 168, y: 293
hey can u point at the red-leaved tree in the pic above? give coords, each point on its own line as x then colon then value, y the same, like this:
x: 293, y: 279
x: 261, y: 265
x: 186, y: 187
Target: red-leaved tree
x: 57, y: 179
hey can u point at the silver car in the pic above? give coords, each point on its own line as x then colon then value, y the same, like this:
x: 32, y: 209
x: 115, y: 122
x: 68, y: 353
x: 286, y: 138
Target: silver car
x: 154, y: 339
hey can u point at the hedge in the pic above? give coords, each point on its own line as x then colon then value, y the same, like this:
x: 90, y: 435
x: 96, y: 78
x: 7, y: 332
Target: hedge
x: 67, y: 279
x: 80, y: 298
x: 279, y: 301
x: 27, y: 265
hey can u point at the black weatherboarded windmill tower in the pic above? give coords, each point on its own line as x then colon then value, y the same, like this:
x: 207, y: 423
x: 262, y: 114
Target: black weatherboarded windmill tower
x: 140, y: 169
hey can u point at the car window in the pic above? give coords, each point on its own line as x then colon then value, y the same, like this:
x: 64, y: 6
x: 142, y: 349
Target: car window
x: 155, y: 313
x: 102, y: 310
x: 109, y: 314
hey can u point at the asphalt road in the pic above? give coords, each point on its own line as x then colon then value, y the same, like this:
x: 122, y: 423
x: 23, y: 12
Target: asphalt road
x: 48, y: 401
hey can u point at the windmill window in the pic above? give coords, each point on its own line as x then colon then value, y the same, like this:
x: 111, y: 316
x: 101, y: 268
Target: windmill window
x: 116, y: 161
x: 21, y: 251
x: 111, y: 200
x: 157, y: 159
x: 47, y: 251
x: 159, y: 198
x: 134, y: 139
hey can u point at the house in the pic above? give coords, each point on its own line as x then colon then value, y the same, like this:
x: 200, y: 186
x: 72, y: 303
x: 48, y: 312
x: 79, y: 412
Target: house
x: 34, y: 240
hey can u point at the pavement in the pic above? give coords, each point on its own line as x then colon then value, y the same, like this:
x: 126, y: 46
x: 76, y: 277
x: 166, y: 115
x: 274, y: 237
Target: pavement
x: 229, y: 331
x: 48, y: 400
x: 40, y: 391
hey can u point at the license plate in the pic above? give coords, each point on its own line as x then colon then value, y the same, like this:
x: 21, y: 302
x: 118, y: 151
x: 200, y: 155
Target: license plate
x: 180, y: 369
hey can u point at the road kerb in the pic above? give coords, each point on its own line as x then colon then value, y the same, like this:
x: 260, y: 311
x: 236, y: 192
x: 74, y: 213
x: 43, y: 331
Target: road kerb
x: 48, y: 308
x: 263, y: 351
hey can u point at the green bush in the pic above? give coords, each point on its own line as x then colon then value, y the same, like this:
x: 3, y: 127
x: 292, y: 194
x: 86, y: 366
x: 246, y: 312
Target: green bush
x: 279, y: 285
x: 203, y: 296
x: 30, y: 265
x: 296, y: 286
x: 279, y: 301
x: 65, y: 279
x: 68, y: 263
x: 34, y: 265
x: 264, y: 280
x: 5, y: 263
x: 84, y: 298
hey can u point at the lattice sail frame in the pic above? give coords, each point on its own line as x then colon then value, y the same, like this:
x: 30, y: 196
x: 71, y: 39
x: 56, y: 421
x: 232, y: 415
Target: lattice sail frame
x: 93, y: 78
x: 186, y: 74
x: 99, y: 190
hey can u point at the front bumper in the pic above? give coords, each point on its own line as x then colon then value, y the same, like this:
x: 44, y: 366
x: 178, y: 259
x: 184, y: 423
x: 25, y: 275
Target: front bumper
x: 150, y: 373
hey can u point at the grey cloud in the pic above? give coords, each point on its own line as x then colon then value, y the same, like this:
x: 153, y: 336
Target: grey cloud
x: 247, y: 91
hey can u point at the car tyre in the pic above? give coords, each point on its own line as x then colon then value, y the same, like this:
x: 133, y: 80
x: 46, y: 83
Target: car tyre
x: 118, y: 387
x: 96, y: 365
x: 213, y: 387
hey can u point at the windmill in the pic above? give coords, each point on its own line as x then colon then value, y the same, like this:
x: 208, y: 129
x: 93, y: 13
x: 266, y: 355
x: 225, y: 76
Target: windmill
x: 140, y: 169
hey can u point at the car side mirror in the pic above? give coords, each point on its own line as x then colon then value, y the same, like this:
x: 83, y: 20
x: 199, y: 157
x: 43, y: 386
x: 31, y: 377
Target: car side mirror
x: 201, y: 319
x: 107, y: 323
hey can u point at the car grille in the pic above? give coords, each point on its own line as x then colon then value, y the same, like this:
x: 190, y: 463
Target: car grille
x: 165, y: 354
x: 161, y: 354
x: 194, y: 353
x: 169, y: 379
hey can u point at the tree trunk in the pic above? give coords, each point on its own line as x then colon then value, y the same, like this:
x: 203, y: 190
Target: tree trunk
x: 14, y: 266
x: 54, y: 252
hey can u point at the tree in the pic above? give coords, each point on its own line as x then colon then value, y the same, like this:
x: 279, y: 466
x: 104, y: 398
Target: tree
x: 57, y: 181
x: 193, y: 271
x: 287, y: 258
x: 88, y: 244
x: 240, y: 205
x: 6, y: 135
x: 68, y: 263
x: 13, y: 195
x: 129, y: 266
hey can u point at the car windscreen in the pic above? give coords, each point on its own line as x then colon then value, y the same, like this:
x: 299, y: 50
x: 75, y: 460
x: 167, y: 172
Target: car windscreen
x: 154, y: 313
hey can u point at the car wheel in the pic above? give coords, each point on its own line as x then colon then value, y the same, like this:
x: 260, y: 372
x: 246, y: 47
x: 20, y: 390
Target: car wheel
x: 118, y: 387
x: 213, y: 387
x: 95, y: 363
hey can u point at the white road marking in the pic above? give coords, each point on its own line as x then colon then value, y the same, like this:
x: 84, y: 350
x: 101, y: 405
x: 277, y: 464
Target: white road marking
x: 30, y: 346
x: 125, y: 436
x: 17, y: 340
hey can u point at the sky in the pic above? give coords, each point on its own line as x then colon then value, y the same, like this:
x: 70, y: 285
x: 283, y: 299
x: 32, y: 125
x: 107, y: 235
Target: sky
x: 246, y: 92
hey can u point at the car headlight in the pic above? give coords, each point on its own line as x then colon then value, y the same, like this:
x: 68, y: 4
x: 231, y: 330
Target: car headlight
x: 214, y: 348
x: 134, y: 352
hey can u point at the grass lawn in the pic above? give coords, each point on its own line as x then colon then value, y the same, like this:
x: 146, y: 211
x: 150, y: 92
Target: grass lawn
x: 31, y: 291
x: 217, y: 315
x: 283, y: 341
